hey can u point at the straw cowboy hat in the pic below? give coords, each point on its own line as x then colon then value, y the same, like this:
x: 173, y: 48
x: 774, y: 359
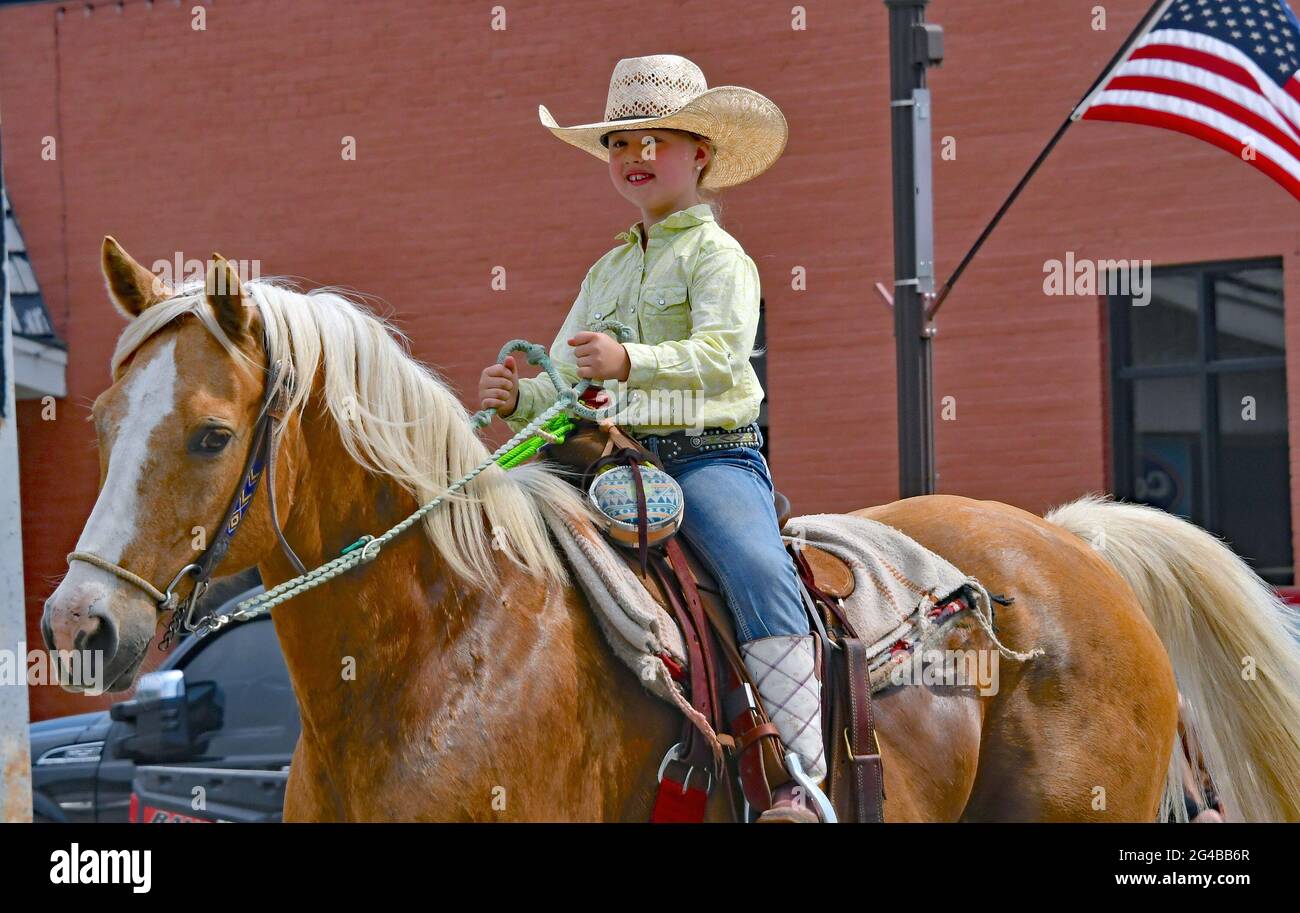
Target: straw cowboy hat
x: 668, y: 92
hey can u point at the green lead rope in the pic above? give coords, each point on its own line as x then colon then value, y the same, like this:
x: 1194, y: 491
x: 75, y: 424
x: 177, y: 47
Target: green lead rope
x: 553, y: 432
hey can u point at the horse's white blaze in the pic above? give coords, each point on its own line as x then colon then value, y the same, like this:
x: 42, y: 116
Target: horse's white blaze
x: 151, y: 398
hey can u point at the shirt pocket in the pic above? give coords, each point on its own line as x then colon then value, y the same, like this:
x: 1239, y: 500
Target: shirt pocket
x: 605, y: 310
x: 665, y: 313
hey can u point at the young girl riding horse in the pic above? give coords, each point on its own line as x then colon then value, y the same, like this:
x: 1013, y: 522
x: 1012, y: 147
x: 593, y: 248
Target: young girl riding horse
x: 690, y: 294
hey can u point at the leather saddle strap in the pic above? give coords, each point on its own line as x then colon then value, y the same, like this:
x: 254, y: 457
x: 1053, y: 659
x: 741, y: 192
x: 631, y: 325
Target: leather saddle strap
x: 694, y: 748
x: 677, y: 560
x: 642, y: 520
x: 743, y: 742
x: 806, y: 572
x: 632, y: 459
x: 762, y: 770
x: 865, y: 769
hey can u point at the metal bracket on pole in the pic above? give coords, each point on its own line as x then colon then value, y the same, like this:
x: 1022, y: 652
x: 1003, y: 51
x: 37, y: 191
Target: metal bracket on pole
x: 923, y: 178
x: 927, y: 301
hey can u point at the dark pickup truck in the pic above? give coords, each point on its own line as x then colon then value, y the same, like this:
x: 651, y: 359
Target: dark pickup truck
x: 206, y: 737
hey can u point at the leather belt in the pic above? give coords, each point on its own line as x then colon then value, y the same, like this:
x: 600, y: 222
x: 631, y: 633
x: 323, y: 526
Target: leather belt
x: 687, y: 443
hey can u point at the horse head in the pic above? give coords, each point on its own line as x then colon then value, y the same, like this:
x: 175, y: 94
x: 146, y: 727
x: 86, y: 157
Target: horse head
x: 174, y: 431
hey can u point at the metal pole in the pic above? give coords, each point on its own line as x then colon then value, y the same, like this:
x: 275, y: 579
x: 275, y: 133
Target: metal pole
x: 15, y: 751
x: 913, y: 244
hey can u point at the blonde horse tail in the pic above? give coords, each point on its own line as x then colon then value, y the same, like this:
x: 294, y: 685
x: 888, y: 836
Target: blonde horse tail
x: 1234, y: 647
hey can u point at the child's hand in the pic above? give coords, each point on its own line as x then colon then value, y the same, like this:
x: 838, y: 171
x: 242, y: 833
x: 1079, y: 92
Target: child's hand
x: 498, y: 386
x: 599, y: 357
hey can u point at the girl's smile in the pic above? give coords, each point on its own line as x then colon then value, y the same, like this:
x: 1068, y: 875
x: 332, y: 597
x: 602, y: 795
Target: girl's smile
x: 658, y: 170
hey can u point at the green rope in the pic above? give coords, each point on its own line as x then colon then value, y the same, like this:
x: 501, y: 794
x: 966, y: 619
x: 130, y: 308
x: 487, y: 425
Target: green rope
x: 556, y: 430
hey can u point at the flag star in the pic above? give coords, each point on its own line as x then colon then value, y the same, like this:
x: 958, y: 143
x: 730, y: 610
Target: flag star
x: 1232, y: 23
x: 1260, y: 49
x: 1270, y: 26
x: 1274, y: 39
x: 1236, y: 34
x: 1250, y: 23
x: 1211, y: 23
x: 1256, y: 35
x: 1290, y: 46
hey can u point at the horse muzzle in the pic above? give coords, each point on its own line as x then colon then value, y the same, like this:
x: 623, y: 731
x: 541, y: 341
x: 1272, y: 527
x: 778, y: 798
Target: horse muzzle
x: 94, y: 638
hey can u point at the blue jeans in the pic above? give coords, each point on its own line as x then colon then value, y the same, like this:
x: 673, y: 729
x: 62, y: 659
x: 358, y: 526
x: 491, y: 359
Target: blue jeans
x: 731, y: 523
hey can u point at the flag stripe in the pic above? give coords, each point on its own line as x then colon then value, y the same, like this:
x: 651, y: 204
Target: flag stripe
x: 1194, y: 76
x: 1242, y: 115
x: 1187, y: 125
x: 1290, y: 107
x: 1197, y: 59
x: 1211, y: 118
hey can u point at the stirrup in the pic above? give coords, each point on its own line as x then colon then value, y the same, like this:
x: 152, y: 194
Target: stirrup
x: 795, y: 766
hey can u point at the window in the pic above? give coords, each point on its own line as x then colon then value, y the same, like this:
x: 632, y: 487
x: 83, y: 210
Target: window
x: 260, y: 710
x: 1199, y: 405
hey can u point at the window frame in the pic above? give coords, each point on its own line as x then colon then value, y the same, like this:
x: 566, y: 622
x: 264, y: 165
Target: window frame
x: 1207, y: 368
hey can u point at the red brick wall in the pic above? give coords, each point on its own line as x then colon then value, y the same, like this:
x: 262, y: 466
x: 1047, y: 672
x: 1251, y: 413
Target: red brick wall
x: 229, y: 139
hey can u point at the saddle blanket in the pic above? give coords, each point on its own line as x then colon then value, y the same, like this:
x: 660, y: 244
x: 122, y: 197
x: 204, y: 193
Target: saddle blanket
x: 898, y: 586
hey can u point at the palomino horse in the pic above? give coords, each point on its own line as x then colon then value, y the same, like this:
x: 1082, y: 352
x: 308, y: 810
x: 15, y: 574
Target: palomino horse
x: 459, y: 676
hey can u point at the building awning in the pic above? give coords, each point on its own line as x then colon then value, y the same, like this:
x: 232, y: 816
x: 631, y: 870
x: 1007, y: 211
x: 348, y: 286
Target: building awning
x: 40, y: 356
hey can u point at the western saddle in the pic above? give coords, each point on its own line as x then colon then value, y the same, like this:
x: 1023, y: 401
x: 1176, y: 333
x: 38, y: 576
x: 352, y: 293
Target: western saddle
x: 715, y: 678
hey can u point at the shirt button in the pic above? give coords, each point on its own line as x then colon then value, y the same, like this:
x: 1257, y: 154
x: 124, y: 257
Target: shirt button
x: 661, y: 301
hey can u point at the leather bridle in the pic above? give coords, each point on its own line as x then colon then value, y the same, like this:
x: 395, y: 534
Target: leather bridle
x: 260, y: 461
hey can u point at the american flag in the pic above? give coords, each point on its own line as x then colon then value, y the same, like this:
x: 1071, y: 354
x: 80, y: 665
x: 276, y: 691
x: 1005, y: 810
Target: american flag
x: 1225, y: 71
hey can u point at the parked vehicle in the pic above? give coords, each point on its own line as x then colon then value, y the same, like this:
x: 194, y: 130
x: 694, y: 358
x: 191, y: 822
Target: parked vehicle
x: 206, y: 737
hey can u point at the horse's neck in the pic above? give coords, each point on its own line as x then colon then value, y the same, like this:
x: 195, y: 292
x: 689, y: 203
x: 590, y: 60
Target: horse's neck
x: 382, y: 655
x: 343, y: 639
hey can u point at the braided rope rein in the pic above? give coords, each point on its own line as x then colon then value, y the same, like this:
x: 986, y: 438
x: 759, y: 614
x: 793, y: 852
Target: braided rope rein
x: 367, y: 548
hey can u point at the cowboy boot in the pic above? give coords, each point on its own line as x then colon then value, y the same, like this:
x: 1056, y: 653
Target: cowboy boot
x: 783, y: 669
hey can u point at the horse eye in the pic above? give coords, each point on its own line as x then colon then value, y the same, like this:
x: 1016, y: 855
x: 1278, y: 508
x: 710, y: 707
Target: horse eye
x: 213, y: 440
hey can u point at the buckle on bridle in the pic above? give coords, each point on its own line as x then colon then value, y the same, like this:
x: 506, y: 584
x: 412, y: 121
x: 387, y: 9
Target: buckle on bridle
x: 169, y: 595
x: 169, y: 600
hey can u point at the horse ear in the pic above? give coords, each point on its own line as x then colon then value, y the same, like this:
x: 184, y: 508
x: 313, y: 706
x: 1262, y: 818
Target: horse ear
x: 131, y: 287
x: 226, y: 295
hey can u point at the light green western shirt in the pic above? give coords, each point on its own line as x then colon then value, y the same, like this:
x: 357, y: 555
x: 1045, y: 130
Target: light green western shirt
x: 691, y: 299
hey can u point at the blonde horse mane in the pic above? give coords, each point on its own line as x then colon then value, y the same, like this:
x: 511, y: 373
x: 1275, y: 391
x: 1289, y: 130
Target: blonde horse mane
x: 396, y: 418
